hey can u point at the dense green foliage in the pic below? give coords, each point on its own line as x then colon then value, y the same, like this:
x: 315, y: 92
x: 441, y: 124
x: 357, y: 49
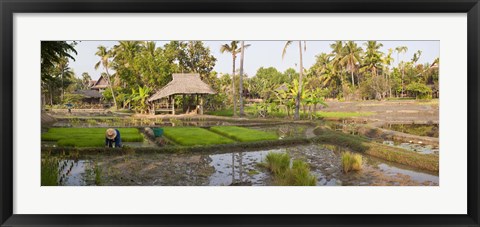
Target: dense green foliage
x: 350, y: 71
x: 88, y: 137
x: 243, y: 134
x: 192, y: 136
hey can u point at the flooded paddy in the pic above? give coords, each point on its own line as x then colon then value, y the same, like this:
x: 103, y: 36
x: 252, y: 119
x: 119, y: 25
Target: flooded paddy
x: 430, y: 130
x: 234, y: 168
x: 420, y: 148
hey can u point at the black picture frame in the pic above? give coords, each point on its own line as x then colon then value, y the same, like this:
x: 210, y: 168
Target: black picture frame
x: 10, y: 7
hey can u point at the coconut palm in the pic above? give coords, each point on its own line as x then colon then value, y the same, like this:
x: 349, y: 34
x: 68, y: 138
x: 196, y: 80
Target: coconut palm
x: 351, y: 58
x: 65, y: 71
x: 372, y: 62
x: 300, y: 77
x: 401, y: 49
x: 242, y: 57
x: 387, y: 61
x: 86, y: 78
x: 234, y: 50
x: 105, y: 56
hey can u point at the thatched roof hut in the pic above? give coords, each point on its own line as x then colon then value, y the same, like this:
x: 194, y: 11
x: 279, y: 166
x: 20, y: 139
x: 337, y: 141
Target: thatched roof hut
x: 89, y: 96
x: 101, y: 83
x: 181, y: 84
x: 184, y: 84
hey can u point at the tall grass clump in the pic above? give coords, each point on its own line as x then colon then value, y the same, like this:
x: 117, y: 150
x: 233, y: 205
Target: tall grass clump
x: 296, y: 175
x: 351, y: 162
x: 299, y: 175
x: 49, y: 172
x: 277, y: 163
x: 98, y: 175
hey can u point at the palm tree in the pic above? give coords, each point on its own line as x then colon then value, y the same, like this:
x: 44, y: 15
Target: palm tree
x: 300, y: 77
x: 387, y: 61
x: 86, y: 78
x: 242, y: 57
x: 401, y: 49
x: 372, y: 61
x: 105, y: 55
x: 64, y: 71
x: 234, y: 50
x: 351, y: 58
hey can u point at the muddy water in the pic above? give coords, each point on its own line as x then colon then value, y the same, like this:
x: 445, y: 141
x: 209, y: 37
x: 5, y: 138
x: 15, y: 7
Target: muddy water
x: 430, y: 130
x: 239, y: 168
x: 420, y: 148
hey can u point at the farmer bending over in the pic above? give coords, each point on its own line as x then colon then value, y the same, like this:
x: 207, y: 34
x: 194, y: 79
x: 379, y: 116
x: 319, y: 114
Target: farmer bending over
x: 112, y: 138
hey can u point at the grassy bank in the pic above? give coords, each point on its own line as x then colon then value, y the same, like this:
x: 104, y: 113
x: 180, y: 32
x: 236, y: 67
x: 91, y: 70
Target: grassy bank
x: 243, y: 134
x: 88, y: 137
x: 362, y: 144
x: 193, y: 136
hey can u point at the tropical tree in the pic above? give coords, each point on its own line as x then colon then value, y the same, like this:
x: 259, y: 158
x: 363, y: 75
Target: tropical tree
x: 105, y: 56
x: 400, y: 50
x: 65, y: 72
x: 372, y: 62
x: 240, y: 92
x: 86, y: 78
x: 387, y: 61
x: 300, y: 77
x: 52, y: 52
x: 351, y: 58
x: 233, y: 49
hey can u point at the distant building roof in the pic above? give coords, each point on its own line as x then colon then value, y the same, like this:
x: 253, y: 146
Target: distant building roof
x: 89, y: 93
x: 100, y: 83
x: 188, y: 83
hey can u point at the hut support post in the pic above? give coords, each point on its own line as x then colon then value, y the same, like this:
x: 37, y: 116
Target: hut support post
x: 173, y: 104
x: 201, y: 104
x: 153, y: 107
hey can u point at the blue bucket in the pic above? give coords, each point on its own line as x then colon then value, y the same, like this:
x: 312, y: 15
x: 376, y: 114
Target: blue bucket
x: 158, y: 132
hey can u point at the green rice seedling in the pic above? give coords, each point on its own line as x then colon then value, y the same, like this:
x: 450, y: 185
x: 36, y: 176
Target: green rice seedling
x: 277, y: 163
x: 296, y: 175
x: 98, y: 175
x: 49, y: 171
x: 351, y: 162
x: 192, y: 136
x: 88, y: 137
x: 243, y: 134
x: 299, y: 174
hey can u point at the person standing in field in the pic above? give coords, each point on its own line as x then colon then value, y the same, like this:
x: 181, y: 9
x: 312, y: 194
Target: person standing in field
x: 112, y: 138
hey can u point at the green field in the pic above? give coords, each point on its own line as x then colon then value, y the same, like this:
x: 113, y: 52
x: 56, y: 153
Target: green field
x: 88, y: 137
x: 191, y: 136
x: 243, y: 134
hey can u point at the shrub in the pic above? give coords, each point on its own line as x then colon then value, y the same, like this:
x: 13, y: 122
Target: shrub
x: 298, y: 175
x: 277, y: 163
x: 351, y: 162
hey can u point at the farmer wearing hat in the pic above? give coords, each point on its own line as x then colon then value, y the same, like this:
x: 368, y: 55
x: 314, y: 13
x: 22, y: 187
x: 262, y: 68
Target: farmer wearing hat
x: 112, y: 138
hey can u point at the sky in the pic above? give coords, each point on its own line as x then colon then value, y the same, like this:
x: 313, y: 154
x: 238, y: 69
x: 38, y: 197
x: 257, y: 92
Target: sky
x: 259, y: 54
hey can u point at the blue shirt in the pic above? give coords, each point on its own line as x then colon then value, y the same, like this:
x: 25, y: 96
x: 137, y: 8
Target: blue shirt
x: 117, y: 140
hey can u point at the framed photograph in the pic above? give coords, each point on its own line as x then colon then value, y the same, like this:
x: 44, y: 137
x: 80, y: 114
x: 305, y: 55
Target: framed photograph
x: 254, y: 113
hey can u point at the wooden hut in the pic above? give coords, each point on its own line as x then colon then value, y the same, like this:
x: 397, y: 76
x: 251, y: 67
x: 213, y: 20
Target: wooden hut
x: 90, y: 96
x: 181, y: 84
x: 100, y: 85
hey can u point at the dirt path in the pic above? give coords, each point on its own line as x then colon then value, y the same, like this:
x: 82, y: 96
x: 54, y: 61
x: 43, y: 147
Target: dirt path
x: 405, y: 111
